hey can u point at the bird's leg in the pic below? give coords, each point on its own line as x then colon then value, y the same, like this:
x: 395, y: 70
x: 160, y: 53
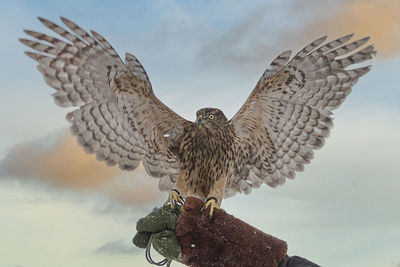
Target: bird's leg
x: 174, y: 199
x: 211, y: 202
x: 214, y: 197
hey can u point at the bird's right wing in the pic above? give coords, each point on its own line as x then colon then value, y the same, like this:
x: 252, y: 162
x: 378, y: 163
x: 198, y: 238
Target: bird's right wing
x: 119, y: 118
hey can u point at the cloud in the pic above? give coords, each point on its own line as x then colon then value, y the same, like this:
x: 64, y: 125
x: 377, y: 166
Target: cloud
x: 59, y: 161
x: 271, y: 29
x: 120, y: 246
x: 378, y: 19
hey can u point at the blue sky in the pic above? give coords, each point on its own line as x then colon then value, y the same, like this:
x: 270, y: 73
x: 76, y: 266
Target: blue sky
x: 342, y: 211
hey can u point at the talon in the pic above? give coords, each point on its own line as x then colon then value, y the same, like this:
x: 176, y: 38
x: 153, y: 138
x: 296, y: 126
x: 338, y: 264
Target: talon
x: 175, y: 199
x: 212, y: 203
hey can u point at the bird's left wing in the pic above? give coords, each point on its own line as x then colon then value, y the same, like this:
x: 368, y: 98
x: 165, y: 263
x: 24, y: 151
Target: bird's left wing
x: 288, y: 114
x: 118, y: 117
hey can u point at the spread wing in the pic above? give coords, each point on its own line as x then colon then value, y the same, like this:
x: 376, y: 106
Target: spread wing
x: 118, y: 117
x: 288, y: 114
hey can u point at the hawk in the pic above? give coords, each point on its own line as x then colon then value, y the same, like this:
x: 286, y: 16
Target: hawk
x: 273, y: 135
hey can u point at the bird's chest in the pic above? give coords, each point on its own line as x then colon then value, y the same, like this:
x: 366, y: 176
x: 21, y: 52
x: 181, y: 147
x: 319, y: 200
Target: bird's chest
x: 206, y: 154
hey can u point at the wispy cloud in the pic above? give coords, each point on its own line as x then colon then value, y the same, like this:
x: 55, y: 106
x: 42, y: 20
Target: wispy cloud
x: 62, y: 163
x: 120, y: 246
x: 266, y: 31
x: 59, y: 161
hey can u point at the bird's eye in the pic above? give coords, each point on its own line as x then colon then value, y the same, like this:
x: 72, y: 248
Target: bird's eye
x: 211, y: 117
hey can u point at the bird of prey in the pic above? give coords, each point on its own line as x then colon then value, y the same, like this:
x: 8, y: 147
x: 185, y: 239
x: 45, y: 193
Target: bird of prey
x: 273, y: 135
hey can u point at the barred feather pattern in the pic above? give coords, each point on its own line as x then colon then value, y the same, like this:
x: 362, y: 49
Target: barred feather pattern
x: 287, y: 116
x: 289, y: 113
x: 118, y: 117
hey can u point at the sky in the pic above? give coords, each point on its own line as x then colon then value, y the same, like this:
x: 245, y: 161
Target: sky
x: 61, y: 207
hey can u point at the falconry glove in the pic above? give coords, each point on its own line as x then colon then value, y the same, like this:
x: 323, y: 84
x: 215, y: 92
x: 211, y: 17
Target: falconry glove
x: 191, y: 238
x: 159, y: 227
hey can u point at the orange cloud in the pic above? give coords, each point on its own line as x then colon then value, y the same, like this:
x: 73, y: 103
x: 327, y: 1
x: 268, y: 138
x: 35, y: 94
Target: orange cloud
x: 256, y: 39
x: 378, y: 19
x: 65, y: 164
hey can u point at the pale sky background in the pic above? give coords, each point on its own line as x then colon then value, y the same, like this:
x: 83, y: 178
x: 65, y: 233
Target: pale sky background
x: 60, y: 207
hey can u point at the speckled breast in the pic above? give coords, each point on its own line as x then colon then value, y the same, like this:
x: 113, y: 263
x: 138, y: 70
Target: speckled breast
x: 206, y: 155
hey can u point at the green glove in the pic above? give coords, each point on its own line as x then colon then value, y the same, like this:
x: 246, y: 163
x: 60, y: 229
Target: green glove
x: 160, y: 224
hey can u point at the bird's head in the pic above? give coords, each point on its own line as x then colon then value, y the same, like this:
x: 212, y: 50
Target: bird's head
x: 209, y: 116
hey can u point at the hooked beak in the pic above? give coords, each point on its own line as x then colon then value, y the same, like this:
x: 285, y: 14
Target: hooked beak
x: 199, y: 121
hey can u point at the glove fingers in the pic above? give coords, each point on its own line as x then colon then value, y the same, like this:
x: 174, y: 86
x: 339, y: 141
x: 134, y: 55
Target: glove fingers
x: 158, y: 220
x: 166, y: 243
x: 141, y: 239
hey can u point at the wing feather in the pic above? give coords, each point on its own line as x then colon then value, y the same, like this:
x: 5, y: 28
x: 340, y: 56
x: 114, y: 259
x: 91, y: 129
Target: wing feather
x: 118, y: 116
x: 289, y: 113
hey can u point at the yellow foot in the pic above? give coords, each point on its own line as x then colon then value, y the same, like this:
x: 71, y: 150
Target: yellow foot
x: 212, y: 203
x: 175, y: 199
